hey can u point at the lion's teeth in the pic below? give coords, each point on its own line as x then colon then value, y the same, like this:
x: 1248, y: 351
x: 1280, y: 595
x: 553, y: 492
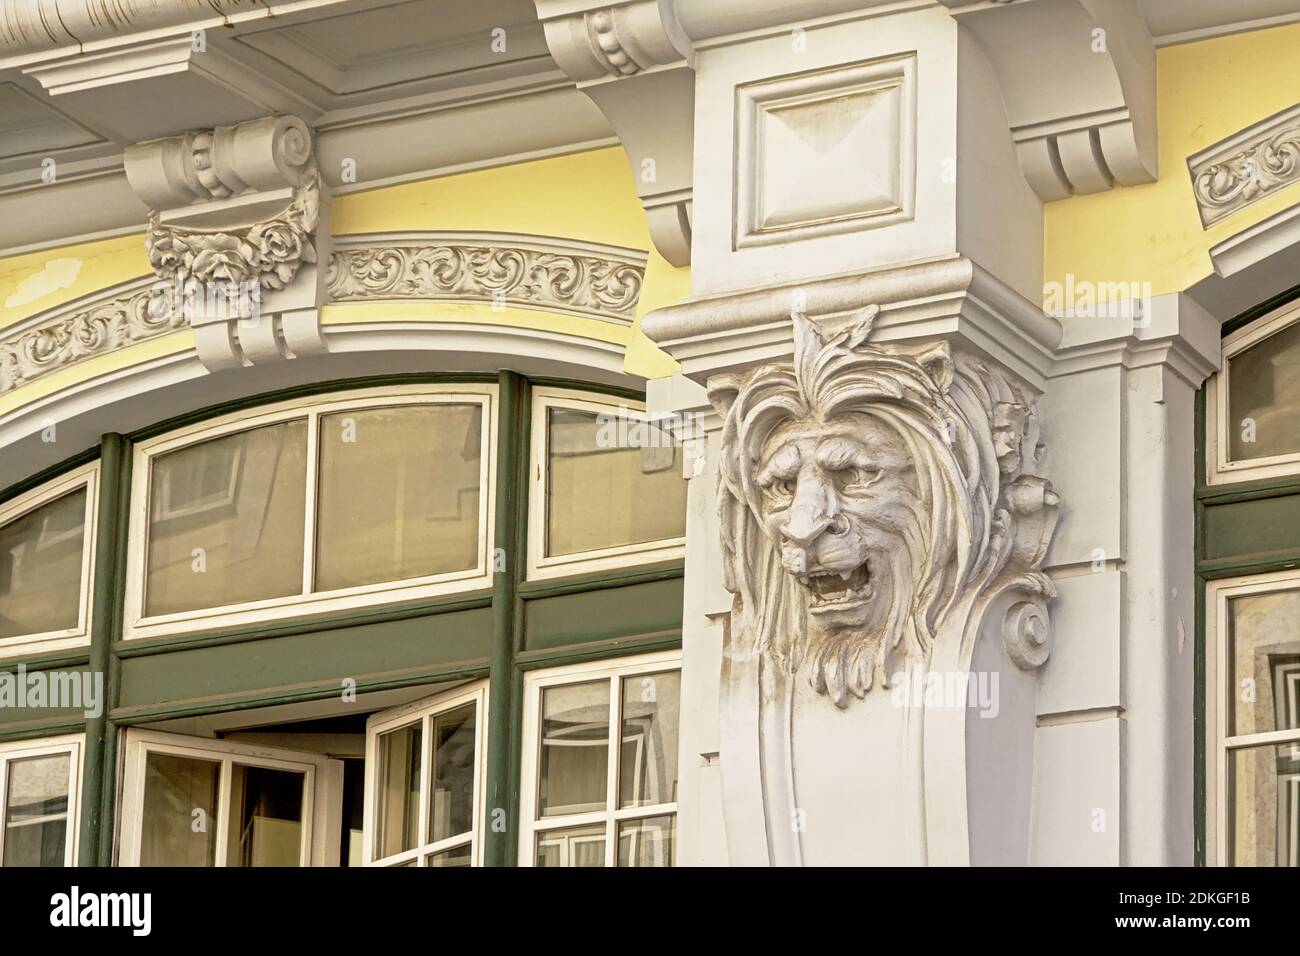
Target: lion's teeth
x: 846, y: 575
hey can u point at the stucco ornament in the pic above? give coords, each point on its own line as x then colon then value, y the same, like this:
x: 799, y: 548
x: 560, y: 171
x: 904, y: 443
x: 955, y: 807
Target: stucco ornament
x: 454, y: 271
x: 875, y: 499
x: 268, y: 252
x: 233, y: 209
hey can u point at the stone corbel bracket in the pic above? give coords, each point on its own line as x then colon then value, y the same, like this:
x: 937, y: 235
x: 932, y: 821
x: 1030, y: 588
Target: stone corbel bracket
x: 635, y: 63
x: 1078, y: 80
x: 239, y: 235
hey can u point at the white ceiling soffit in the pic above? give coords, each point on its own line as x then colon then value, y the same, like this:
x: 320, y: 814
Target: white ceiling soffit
x: 32, y: 30
x: 1185, y: 21
x: 395, y: 90
x: 315, y: 60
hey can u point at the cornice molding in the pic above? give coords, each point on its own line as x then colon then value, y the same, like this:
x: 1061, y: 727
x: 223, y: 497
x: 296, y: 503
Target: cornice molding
x: 32, y: 29
x: 1259, y: 243
x: 1173, y: 331
x: 603, y: 282
x: 947, y: 298
x: 1247, y: 166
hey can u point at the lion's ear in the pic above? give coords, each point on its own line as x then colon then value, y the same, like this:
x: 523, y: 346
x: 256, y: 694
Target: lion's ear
x: 937, y: 362
x: 723, y: 391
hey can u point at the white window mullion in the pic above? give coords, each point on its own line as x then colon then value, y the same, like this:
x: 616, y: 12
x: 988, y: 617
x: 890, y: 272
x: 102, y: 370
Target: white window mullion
x: 4, y: 805
x: 479, y: 809
x: 223, y: 812
x: 71, y: 829
x: 309, y: 503
x: 615, y: 750
x: 426, y: 778
x: 1242, y: 741
x: 588, y: 818
x: 448, y: 843
x: 637, y: 813
x: 88, y: 553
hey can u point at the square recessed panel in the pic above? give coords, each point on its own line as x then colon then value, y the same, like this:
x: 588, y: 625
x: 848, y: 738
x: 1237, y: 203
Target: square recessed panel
x: 825, y: 152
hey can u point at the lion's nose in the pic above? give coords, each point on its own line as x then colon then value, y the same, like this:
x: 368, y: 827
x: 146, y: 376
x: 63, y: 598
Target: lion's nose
x: 811, y: 513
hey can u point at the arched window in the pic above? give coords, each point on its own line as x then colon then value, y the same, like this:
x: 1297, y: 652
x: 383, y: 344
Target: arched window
x: 325, y: 614
x: 312, y: 505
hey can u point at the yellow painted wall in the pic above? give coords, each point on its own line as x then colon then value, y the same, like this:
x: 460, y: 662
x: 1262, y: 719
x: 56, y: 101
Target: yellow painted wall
x: 586, y: 196
x: 1207, y: 91
x: 38, y: 281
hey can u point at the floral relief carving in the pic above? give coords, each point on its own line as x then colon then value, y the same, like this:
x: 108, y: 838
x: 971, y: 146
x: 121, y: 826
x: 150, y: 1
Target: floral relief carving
x: 877, y: 500
x: 32, y: 352
x: 1227, y: 184
x: 234, y: 212
x: 268, y: 252
x: 602, y: 287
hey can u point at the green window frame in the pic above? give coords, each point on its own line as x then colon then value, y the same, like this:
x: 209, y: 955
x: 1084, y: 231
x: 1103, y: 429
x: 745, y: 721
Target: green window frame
x: 1247, y: 539
x: 496, y: 631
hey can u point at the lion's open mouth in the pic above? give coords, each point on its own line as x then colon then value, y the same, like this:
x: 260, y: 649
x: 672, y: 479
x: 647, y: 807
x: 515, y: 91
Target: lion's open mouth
x: 833, y: 589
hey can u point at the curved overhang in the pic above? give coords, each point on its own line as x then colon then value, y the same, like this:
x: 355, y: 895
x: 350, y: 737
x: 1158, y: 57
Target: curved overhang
x: 53, y: 419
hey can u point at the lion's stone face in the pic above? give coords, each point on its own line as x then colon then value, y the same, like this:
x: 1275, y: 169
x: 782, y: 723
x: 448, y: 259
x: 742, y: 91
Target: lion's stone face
x: 834, y: 497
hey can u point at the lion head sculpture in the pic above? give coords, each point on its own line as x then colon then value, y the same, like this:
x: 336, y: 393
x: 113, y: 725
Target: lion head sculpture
x: 866, y: 494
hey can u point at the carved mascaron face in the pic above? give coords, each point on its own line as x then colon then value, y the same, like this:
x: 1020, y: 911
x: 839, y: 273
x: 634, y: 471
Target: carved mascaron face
x: 836, y: 496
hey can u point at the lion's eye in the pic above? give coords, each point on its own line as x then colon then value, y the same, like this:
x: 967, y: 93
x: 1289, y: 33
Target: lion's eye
x: 859, y: 477
x: 780, y: 488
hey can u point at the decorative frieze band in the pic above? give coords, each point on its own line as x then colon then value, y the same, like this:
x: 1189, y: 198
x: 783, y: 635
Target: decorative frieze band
x: 1245, y: 168
x: 601, y: 281
x: 123, y: 317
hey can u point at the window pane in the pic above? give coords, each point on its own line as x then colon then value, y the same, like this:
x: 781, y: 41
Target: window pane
x: 179, y: 816
x: 648, y: 764
x: 36, y: 812
x: 603, y: 494
x: 647, y: 842
x: 226, y: 520
x: 451, y: 805
x: 575, y: 749
x: 457, y: 856
x: 266, y: 822
x: 397, y: 820
x: 40, y: 567
x: 399, y: 494
x: 572, y: 846
x: 1264, y: 387
x: 1264, y: 805
x: 1264, y: 662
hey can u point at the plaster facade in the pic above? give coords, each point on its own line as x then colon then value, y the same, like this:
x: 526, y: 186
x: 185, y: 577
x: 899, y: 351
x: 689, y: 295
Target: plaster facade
x: 932, y: 289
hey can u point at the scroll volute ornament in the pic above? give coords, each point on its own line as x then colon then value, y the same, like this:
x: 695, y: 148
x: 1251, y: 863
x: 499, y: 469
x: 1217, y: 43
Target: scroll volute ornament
x: 876, y: 501
x: 232, y: 205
